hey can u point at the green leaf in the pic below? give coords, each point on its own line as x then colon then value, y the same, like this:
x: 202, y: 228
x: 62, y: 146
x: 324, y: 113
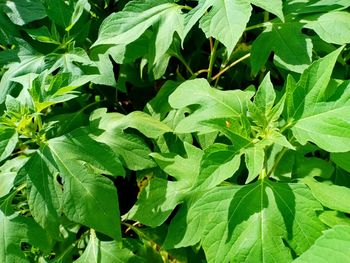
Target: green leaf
x: 79, y: 8
x: 274, y: 7
x: 333, y: 218
x: 105, y: 252
x: 333, y: 244
x: 23, y: 12
x: 225, y: 21
x: 60, y: 12
x: 160, y: 197
x: 342, y: 160
x: 131, y: 148
x: 8, y: 172
x: 265, y: 96
x: 332, y: 27
x: 165, y: 16
x: 44, y: 192
x: 31, y: 62
x: 335, y: 197
x: 88, y: 197
x: 143, y: 122
x: 291, y: 48
x: 318, y: 113
x: 17, y: 229
x: 212, y: 104
x: 255, y: 217
x: 254, y: 159
x: 311, y: 167
x: 8, y: 141
x: 219, y: 163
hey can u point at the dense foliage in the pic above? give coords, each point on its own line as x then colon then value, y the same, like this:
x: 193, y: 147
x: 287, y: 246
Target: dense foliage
x: 174, y: 131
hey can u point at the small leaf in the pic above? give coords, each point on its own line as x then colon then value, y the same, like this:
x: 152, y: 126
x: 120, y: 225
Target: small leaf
x: 8, y: 142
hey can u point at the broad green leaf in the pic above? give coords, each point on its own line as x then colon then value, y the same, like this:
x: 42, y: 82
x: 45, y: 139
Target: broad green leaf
x: 219, y: 163
x: 8, y: 56
x: 8, y: 172
x: 226, y: 21
x: 8, y: 141
x: 311, y: 167
x: 69, y: 61
x: 211, y: 104
x: 17, y: 229
x: 22, y: 12
x: 332, y: 27
x: 44, y: 192
x: 306, y: 7
x: 159, y: 198
x: 333, y: 218
x: 311, y: 88
x: 9, y: 31
x: 30, y: 62
x: 79, y: 8
x: 136, y: 18
x: 131, y: 148
x: 150, y: 127
x: 335, y: 197
x: 60, y: 12
x: 316, y: 113
x: 106, y: 252
x: 274, y: 7
x: 247, y: 224
x: 291, y: 48
x: 342, y: 160
x: 332, y: 245
x: 42, y: 34
x: 88, y: 197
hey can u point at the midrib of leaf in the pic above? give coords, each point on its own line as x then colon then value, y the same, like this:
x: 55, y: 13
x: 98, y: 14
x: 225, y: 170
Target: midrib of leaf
x: 77, y: 179
x: 262, y: 218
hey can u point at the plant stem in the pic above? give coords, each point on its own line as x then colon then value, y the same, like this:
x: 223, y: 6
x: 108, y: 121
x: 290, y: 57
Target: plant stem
x: 212, y: 60
x: 198, y: 73
x: 183, y: 61
x: 186, y: 7
x: 230, y: 66
x: 278, y: 159
x: 264, y: 24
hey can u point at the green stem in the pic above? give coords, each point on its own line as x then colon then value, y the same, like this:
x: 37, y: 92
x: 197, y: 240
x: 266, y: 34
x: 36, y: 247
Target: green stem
x: 186, y: 7
x: 183, y: 61
x: 264, y: 24
x: 195, y: 75
x: 212, y: 60
x: 230, y: 66
x: 278, y: 159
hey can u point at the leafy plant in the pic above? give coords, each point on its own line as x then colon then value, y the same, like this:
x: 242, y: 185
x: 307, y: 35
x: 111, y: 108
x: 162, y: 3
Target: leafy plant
x: 174, y: 131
